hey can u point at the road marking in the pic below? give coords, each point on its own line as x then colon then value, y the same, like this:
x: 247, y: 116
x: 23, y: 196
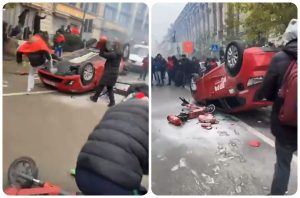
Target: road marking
x: 31, y: 93
x: 5, y: 86
x: 262, y: 137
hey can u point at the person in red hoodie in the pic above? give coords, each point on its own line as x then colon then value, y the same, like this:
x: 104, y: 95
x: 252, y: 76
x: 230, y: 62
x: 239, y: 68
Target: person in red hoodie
x: 59, y: 40
x: 170, y: 69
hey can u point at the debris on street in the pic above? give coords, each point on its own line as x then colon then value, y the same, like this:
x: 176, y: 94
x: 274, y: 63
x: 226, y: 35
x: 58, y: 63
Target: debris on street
x: 254, y: 143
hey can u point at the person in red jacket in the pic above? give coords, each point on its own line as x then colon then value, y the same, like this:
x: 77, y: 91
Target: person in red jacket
x: 38, y: 53
x: 170, y: 69
x: 59, y: 40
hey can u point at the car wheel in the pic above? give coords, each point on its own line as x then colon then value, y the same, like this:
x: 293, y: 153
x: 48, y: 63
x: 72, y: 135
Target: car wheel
x: 87, y: 74
x: 234, y: 57
x: 126, y: 51
x: 22, y: 165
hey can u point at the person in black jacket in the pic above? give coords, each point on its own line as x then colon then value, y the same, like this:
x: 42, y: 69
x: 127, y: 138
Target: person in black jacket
x: 111, y: 70
x: 115, y: 156
x: 286, y: 136
x: 37, y: 23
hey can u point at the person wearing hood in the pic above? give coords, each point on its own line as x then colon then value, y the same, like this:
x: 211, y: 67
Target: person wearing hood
x: 285, y: 136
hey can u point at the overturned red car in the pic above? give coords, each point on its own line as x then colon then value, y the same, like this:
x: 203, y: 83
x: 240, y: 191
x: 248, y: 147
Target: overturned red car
x: 234, y: 86
x: 79, y: 72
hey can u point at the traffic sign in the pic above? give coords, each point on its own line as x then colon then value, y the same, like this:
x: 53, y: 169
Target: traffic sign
x: 214, y: 48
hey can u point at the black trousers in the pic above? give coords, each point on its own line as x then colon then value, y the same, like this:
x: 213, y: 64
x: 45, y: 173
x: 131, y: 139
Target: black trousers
x: 110, y: 92
x: 284, y: 155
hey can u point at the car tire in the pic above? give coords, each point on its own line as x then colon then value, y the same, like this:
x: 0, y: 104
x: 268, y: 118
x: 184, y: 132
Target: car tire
x: 87, y: 73
x: 126, y: 51
x: 234, y: 57
x: 25, y: 165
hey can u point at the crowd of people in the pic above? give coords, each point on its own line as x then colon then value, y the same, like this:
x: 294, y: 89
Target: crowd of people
x: 179, y: 70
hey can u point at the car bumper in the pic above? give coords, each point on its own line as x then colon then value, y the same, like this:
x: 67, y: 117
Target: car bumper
x: 132, y: 67
x: 63, y: 83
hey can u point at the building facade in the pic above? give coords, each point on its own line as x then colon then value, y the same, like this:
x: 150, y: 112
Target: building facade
x: 204, y: 24
x: 127, y: 21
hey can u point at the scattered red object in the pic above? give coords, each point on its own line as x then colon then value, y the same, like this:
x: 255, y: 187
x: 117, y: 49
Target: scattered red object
x: 254, y: 143
x: 206, y: 126
x: 207, y: 118
x: 174, y: 120
x: 44, y: 189
x: 139, y: 95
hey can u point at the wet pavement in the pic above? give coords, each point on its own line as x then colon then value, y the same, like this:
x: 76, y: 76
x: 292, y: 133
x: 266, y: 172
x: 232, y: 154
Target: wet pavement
x: 190, y: 160
x: 49, y: 127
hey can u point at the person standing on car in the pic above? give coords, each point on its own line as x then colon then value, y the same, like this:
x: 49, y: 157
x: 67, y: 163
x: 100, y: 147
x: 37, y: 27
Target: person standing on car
x: 285, y: 135
x: 113, y: 57
x: 115, y: 156
x: 37, y: 23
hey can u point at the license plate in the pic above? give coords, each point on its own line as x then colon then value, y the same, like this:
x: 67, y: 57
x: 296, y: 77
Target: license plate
x: 49, y: 82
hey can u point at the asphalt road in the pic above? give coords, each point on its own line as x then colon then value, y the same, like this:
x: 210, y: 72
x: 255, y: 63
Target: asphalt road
x: 50, y: 127
x: 190, y: 160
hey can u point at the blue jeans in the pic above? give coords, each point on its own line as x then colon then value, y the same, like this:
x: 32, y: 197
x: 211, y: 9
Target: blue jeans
x: 92, y: 184
x: 284, y: 155
x: 58, y: 50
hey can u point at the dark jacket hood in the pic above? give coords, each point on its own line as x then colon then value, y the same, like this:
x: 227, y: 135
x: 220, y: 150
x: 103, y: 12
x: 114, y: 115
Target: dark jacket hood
x: 291, y: 48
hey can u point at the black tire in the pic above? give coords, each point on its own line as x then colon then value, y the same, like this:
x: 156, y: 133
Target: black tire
x: 87, y: 73
x: 234, y: 57
x: 126, y: 51
x: 25, y: 165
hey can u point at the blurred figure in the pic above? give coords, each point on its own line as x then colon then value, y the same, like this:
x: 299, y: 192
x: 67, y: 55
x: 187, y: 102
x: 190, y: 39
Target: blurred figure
x: 153, y: 71
x: 170, y: 69
x: 68, y: 30
x: 157, y: 69
x: 162, y: 67
x: 144, y: 72
x: 22, y: 17
x: 37, y: 23
x: 61, y: 29
x: 111, y: 70
x: 186, y: 65
x: 59, y: 40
